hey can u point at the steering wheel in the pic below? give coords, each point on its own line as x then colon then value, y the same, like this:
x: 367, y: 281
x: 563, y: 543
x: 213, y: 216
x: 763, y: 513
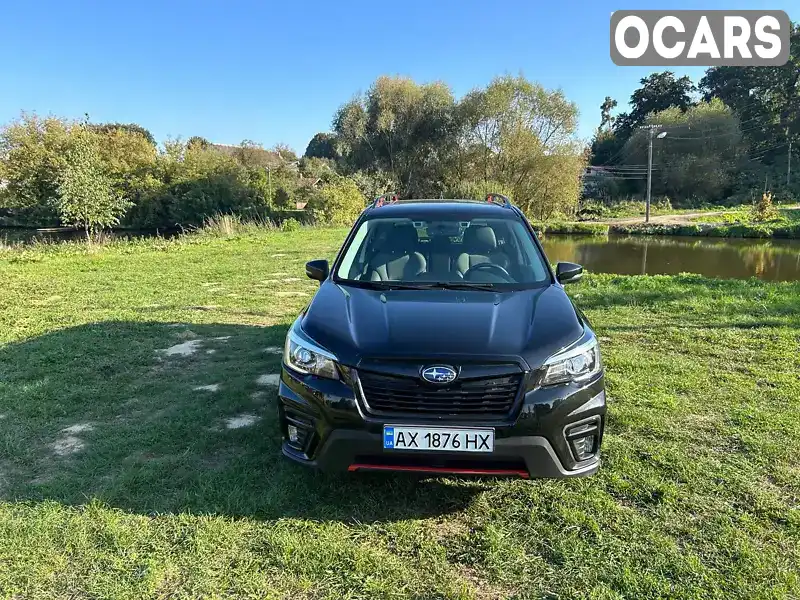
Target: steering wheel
x: 492, y: 268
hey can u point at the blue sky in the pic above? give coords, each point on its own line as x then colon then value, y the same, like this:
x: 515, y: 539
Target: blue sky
x: 276, y: 72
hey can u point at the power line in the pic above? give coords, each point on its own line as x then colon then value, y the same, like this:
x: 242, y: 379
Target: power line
x: 705, y: 136
x: 759, y: 154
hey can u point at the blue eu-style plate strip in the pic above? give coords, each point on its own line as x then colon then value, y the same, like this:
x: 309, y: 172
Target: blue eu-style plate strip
x: 388, y: 437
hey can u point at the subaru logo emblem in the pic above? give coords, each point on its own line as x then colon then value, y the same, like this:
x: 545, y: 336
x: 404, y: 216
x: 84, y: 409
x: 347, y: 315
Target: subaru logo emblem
x: 439, y: 374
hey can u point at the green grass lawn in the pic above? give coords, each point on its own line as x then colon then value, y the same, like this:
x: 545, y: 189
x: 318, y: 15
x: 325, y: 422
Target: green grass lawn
x: 122, y: 475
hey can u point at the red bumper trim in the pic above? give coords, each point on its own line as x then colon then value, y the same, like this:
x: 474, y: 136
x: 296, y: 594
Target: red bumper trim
x: 450, y: 470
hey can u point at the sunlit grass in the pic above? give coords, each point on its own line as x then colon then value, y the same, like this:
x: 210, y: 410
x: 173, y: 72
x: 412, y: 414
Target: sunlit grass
x: 124, y: 475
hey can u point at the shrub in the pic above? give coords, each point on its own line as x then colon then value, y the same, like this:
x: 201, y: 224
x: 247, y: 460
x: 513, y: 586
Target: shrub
x: 575, y: 228
x: 226, y: 225
x: 764, y: 209
x: 338, y: 203
x: 290, y: 224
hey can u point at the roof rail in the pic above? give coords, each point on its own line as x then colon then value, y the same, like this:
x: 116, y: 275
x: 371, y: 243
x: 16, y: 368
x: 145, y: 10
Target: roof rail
x: 498, y: 199
x: 389, y: 198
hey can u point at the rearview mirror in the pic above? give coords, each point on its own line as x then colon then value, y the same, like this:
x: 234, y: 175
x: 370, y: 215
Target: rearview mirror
x: 317, y: 269
x: 567, y: 272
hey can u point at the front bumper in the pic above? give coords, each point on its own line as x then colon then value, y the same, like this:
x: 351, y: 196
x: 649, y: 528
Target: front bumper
x: 337, y: 433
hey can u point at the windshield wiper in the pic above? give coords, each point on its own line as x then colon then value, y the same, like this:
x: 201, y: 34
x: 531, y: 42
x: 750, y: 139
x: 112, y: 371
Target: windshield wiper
x: 395, y: 285
x: 433, y: 285
x: 459, y: 285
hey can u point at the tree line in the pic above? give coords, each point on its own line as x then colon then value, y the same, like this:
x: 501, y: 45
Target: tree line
x: 512, y: 136
x: 727, y: 138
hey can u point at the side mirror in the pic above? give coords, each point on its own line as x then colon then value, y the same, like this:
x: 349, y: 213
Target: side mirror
x: 317, y: 269
x: 567, y: 272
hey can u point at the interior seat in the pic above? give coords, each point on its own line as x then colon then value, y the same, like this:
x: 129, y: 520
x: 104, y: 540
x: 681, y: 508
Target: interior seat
x: 480, y: 246
x: 398, y: 259
x: 442, y: 258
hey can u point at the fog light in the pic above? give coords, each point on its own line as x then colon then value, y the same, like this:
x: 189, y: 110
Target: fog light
x: 582, y: 439
x: 583, y: 447
x: 299, y: 431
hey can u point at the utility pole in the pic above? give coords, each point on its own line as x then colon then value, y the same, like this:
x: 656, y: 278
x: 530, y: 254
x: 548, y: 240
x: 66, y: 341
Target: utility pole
x: 269, y: 180
x: 660, y: 136
x: 649, y: 176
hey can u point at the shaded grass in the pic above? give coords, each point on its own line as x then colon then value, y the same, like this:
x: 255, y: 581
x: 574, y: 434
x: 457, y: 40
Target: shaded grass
x: 698, y: 496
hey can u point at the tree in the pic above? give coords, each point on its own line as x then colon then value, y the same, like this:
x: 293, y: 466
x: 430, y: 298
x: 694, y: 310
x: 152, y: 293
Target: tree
x: 523, y: 136
x: 197, y: 141
x: 317, y: 168
x: 658, y: 92
x: 399, y: 127
x: 285, y: 153
x: 284, y: 198
x: 32, y: 151
x: 699, y: 156
x: 606, y: 120
x: 766, y: 99
x: 322, y: 145
x: 131, y: 128
x: 86, y: 197
x: 251, y: 154
x: 129, y: 161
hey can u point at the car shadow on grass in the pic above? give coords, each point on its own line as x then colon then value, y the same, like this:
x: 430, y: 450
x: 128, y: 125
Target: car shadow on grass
x: 157, y: 417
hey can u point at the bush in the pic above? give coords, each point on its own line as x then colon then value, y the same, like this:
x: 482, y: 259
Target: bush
x: 579, y: 228
x: 741, y: 230
x: 338, y: 203
x: 764, y: 209
x: 223, y: 225
x: 290, y: 224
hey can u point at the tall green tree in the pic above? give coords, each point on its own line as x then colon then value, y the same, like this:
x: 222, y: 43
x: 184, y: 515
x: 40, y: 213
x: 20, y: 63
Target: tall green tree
x: 606, y: 120
x: 399, y: 127
x: 131, y: 128
x: 322, y: 145
x: 86, y: 195
x: 658, y: 92
x: 766, y: 99
x: 523, y: 136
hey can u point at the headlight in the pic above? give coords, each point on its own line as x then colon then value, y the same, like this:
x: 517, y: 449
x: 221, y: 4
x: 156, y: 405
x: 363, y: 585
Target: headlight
x: 573, y: 364
x: 304, y: 356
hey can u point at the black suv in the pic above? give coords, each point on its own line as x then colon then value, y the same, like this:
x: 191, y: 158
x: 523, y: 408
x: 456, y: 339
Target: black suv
x: 441, y: 341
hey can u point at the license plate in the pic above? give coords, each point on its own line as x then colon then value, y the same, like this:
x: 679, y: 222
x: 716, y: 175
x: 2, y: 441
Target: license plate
x: 450, y: 439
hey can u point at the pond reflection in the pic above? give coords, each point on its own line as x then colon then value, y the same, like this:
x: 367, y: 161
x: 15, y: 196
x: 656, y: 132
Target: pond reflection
x: 772, y: 260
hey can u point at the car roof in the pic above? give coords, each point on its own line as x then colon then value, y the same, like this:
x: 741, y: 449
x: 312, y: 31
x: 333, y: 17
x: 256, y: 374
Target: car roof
x: 423, y: 209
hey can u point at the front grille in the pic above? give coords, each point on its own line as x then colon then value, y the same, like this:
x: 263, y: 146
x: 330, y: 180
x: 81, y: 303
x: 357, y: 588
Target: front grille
x: 488, y: 396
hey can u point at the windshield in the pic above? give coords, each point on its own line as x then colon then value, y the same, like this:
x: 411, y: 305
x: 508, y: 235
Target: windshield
x: 480, y: 253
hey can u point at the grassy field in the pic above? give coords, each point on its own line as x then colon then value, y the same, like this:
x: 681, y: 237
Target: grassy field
x: 736, y: 222
x: 786, y: 216
x: 593, y: 209
x: 139, y: 449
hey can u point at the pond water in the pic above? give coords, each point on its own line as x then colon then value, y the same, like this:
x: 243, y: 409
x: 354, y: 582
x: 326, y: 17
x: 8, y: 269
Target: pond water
x: 772, y: 260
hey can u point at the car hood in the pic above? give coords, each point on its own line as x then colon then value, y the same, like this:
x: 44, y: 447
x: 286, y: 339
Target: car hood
x: 356, y: 324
